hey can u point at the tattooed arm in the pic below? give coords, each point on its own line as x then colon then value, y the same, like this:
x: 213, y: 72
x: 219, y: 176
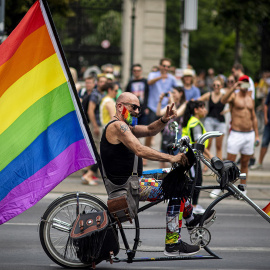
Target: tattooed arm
x: 155, y: 127
x: 119, y: 132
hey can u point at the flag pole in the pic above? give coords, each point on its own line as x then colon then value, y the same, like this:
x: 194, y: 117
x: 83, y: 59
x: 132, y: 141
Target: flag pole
x: 57, y: 39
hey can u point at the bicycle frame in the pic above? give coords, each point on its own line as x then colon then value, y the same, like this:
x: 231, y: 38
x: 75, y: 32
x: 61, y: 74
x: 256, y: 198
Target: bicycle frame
x: 232, y: 190
x: 51, y: 219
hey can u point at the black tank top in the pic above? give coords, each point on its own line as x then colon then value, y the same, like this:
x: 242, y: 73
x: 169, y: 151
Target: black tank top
x: 215, y: 109
x: 117, y: 160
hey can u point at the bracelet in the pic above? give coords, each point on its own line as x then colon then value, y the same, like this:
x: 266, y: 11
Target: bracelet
x: 163, y: 121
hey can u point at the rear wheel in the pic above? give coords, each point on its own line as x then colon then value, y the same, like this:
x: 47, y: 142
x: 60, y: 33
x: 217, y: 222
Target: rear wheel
x: 56, y: 225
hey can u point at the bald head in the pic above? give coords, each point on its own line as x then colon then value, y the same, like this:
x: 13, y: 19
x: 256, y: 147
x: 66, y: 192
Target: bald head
x: 129, y: 98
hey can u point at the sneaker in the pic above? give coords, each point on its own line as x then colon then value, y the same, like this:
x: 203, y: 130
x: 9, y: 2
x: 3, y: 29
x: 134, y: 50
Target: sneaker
x: 197, y: 218
x: 214, y: 194
x: 257, y: 166
x: 181, y: 248
x: 198, y: 209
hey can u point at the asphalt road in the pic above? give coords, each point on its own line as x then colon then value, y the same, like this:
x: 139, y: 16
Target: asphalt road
x: 239, y: 235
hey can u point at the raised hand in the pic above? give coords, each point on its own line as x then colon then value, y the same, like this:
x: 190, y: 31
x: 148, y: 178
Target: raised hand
x: 170, y: 113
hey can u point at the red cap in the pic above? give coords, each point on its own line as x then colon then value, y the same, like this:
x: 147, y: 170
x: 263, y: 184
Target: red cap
x: 244, y: 78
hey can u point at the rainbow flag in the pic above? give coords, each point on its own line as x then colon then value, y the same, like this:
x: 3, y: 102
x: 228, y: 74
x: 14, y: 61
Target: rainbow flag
x: 266, y: 209
x: 43, y: 138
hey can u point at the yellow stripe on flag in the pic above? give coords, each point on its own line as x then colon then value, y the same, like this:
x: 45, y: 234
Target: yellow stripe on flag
x: 35, y: 84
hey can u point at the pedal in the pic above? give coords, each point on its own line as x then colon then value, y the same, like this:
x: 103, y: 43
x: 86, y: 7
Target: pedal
x: 208, y: 222
x: 200, y: 236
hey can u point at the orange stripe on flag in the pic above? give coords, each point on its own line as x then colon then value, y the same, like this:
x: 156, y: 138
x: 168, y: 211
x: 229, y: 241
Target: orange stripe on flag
x: 30, y: 22
x: 26, y: 57
x: 266, y: 209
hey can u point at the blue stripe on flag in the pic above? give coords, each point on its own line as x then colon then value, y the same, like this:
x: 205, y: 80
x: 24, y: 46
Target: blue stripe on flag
x: 44, y: 148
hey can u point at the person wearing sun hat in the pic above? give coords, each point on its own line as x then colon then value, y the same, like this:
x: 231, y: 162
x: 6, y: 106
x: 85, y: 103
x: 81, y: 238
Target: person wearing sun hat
x: 191, y: 91
x: 244, y: 127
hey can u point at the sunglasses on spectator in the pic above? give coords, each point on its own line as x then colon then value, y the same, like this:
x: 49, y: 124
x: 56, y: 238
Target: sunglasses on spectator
x: 231, y: 81
x: 166, y: 66
x: 110, y: 72
x: 216, y: 85
x: 137, y: 70
x: 133, y: 106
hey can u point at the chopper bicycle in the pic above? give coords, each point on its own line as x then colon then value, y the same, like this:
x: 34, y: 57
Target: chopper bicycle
x: 57, y: 221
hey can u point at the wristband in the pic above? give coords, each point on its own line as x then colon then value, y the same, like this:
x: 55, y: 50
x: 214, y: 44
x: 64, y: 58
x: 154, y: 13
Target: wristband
x: 163, y: 121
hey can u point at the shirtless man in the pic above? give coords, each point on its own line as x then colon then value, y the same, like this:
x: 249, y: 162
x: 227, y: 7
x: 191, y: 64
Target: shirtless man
x: 244, y: 128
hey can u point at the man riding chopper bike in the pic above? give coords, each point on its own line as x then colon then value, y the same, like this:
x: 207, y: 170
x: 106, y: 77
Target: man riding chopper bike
x: 120, y: 144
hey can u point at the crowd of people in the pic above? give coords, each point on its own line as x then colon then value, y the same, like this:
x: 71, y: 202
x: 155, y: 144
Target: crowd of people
x: 160, y: 88
x: 148, y: 105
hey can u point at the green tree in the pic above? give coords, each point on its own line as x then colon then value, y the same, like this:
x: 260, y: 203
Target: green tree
x: 228, y: 31
x: 16, y: 9
x: 244, y: 17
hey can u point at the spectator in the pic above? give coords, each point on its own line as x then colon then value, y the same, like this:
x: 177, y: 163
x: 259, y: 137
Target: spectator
x: 210, y: 79
x: 154, y: 69
x: 177, y: 96
x: 95, y: 126
x: 84, y: 94
x: 191, y: 91
x: 238, y: 71
x: 108, y: 70
x: 193, y: 127
x: 139, y: 87
x: 266, y: 134
x: 215, y: 120
x: 107, y: 104
x: 244, y: 129
x: 93, y: 110
x: 74, y: 75
x: 200, y: 82
x: 159, y: 82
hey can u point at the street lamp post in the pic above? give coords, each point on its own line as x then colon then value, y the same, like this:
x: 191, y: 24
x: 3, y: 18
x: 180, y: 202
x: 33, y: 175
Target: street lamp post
x: 133, y: 17
x: 189, y: 23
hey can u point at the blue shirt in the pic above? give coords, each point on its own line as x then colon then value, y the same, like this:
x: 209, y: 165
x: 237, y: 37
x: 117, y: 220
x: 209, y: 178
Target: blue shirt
x: 96, y: 97
x: 192, y: 93
x: 159, y: 87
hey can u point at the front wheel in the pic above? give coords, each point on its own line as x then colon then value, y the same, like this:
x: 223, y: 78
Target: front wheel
x: 57, y: 223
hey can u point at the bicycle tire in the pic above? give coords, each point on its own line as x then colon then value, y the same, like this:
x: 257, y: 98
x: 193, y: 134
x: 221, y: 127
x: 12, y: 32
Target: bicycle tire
x: 57, y: 222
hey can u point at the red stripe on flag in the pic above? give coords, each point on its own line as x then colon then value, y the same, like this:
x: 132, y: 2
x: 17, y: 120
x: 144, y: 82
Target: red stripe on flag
x: 30, y: 22
x: 266, y: 209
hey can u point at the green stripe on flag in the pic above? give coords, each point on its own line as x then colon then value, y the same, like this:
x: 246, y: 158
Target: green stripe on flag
x: 32, y: 122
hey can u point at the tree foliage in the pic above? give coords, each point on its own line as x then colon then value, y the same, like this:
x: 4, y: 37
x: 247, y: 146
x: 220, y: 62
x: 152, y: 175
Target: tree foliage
x: 228, y: 32
x: 16, y: 9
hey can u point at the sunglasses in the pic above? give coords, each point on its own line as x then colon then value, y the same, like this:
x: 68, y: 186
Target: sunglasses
x: 166, y: 66
x: 216, y: 85
x: 231, y: 81
x: 108, y: 72
x: 133, y: 106
x: 137, y: 70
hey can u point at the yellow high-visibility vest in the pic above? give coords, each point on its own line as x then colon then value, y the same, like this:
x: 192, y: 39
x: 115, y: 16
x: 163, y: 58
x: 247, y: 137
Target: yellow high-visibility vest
x: 193, y: 122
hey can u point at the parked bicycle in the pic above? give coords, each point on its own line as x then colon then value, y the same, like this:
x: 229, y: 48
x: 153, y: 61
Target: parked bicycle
x: 59, y: 220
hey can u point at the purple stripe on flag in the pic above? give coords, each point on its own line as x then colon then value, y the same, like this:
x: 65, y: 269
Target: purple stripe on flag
x: 33, y: 189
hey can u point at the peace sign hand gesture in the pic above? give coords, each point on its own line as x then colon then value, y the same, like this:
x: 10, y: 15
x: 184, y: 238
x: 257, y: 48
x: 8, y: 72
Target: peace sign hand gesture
x: 170, y: 113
